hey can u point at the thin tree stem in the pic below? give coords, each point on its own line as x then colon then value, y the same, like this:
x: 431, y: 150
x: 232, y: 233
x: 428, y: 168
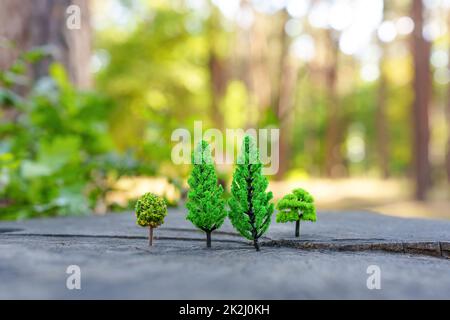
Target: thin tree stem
x: 256, y: 244
x: 208, y: 239
x: 150, y: 236
x: 297, y: 228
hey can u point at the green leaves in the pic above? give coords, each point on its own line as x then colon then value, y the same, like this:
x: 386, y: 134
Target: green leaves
x: 59, y: 137
x: 298, y: 205
x: 150, y: 210
x: 36, y: 54
x: 250, y: 208
x: 205, y: 203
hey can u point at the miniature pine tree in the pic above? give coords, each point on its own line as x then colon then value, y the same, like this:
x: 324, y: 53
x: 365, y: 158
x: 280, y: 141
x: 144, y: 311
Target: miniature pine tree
x: 250, y: 210
x: 296, y: 206
x: 150, y: 212
x: 205, y: 204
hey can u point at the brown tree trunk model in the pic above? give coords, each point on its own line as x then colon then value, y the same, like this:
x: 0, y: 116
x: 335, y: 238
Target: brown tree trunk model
x: 422, y: 86
x: 297, y: 228
x: 150, y: 236
x: 208, y: 239
x: 256, y: 245
x: 27, y: 24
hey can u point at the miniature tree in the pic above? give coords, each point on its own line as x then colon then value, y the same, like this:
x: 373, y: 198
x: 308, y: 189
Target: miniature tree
x: 150, y: 212
x: 296, y: 206
x: 205, y: 204
x: 250, y: 210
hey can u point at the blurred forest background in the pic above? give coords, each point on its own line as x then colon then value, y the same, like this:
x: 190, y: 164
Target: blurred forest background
x: 359, y: 89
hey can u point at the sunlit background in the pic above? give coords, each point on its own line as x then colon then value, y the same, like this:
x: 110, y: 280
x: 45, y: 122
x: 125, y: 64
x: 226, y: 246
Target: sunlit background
x: 359, y: 89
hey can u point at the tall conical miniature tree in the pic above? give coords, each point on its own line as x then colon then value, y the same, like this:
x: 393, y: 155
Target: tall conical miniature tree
x: 205, y: 203
x: 296, y: 206
x: 250, y: 207
x: 150, y: 212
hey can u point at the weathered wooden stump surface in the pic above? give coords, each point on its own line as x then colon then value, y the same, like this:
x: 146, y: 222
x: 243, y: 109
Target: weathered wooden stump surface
x: 330, y: 260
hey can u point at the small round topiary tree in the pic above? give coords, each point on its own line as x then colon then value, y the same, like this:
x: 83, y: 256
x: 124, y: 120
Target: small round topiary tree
x: 296, y: 206
x: 150, y: 212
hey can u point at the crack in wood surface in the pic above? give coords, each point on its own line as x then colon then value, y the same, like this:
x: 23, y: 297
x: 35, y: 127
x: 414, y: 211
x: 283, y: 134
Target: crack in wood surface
x: 427, y: 248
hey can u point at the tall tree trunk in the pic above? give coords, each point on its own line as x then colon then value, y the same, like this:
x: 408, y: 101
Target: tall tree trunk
x: 382, y: 135
x: 447, y: 159
x: 27, y: 23
x: 217, y: 71
x: 255, y: 71
x: 333, y: 156
x: 382, y: 128
x: 285, y: 100
x: 218, y: 87
x: 14, y: 30
x: 260, y: 68
x: 448, y: 121
x: 422, y: 89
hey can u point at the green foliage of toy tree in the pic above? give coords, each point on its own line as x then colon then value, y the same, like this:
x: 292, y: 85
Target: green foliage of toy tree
x: 250, y: 207
x: 205, y: 204
x: 150, y: 212
x: 296, y: 206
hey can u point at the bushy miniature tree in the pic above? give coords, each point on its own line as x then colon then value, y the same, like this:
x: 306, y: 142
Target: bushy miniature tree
x: 250, y: 207
x: 206, y: 207
x: 150, y: 212
x: 296, y: 206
